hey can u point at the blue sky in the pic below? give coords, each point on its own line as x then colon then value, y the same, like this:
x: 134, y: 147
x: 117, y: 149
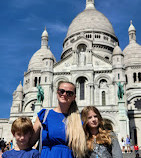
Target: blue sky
x: 22, y: 23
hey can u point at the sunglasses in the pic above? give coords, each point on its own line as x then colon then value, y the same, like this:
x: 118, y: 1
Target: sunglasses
x: 68, y: 93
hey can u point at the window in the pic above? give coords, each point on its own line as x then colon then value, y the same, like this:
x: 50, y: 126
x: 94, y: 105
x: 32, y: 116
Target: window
x: 126, y: 79
x: 35, y: 82
x: 118, y: 76
x: 81, y: 48
x: 103, y: 98
x: 107, y: 58
x: 139, y: 77
x: 45, y: 79
x: 82, y: 89
x: 132, y: 35
x: 81, y: 81
x: 39, y: 80
x: 134, y: 77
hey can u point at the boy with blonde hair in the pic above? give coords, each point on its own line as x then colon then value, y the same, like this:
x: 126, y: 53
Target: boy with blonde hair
x: 22, y: 130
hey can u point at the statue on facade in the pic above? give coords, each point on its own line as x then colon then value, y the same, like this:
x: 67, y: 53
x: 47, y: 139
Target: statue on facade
x: 120, y: 91
x: 40, y: 94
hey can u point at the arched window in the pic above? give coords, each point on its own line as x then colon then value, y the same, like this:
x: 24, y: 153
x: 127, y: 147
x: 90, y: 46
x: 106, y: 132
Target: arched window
x: 139, y: 77
x: 118, y: 76
x: 39, y: 80
x: 134, y: 77
x: 82, y: 89
x: 103, y: 98
x: 103, y: 83
x: 126, y: 79
x: 35, y: 82
x: 81, y: 48
x: 81, y: 81
x: 107, y: 58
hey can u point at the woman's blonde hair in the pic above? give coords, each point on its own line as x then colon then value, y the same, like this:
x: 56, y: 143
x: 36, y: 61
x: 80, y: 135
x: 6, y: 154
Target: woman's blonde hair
x: 74, y: 130
x: 103, y: 136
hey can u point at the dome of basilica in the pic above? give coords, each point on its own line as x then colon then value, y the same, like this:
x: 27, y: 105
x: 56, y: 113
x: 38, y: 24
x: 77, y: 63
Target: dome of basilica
x: 36, y: 61
x: 132, y: 53
x: 90, y: 20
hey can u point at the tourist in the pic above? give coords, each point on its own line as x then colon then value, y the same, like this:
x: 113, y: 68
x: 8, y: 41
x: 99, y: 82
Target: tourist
x: 128, y: 144
x: 22, y: 129
x: 136, y: 149
x: 101, y: 143
x: 11, y: 144
x: 62, y: 135
x: 123, y: 145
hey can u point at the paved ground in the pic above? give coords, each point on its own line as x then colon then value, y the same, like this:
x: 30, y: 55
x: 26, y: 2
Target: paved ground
x: 131, y: 155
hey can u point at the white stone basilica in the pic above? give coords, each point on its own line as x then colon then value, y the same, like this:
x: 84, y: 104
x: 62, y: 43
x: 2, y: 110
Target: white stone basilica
x: 92, y: 60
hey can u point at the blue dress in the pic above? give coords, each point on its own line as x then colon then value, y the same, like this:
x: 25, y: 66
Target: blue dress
x: 28, y: 153
x: 54, y: 143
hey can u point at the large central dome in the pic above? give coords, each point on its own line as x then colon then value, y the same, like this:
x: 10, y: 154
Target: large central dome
x: 90, y: 20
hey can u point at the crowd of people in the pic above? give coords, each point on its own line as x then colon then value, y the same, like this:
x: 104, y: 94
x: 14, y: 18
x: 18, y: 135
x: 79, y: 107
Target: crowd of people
x: 4, y: 146
x: 63, y: 132
x: 127, y: 144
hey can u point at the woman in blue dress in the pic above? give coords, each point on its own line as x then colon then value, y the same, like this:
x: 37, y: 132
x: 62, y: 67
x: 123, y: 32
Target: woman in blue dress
x: 62, y: 135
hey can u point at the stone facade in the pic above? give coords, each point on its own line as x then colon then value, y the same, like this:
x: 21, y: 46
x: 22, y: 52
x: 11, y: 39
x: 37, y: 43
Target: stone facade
x: 91, y: 59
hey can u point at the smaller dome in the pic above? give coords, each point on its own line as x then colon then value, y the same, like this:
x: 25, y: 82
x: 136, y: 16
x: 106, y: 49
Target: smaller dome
x: 131, y: 28
x: 36, y: 62
x: 117, y: 50
x: 19, y: 88
x: 45, y: 34
x: 132, y: 54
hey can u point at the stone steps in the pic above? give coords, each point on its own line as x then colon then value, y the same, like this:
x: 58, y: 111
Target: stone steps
x: 131, y: 155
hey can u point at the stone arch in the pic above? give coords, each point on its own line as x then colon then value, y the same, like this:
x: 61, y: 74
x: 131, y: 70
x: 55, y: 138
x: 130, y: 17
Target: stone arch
x: 132, y: 96
x: 113, y: 120
x: 103, y: 76
x: 28, y: 102
x: 58, y: 79
x: 74, y: 79
x: 82, y: 41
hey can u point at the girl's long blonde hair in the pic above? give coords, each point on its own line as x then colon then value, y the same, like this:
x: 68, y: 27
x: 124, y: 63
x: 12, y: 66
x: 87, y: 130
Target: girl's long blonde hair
x: 103, y: 136
x: 74, y: 130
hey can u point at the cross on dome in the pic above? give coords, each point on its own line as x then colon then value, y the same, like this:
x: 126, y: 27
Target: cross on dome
x: 90, y: 4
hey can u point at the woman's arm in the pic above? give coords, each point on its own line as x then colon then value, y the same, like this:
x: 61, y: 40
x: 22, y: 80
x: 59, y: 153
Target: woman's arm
x: 36, y: 132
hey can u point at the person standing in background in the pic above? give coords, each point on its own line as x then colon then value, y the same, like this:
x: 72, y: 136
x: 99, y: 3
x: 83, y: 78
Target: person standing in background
x: 128, y: 144
x: 123, y: 145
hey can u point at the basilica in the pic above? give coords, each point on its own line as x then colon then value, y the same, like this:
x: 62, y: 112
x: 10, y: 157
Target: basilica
x: 94, y: 62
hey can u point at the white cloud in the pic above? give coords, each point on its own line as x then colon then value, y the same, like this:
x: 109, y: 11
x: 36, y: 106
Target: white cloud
x: 57, y: 27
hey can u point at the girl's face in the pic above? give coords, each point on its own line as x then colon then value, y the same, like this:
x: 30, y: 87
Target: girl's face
x: 92, y: 120
x: 66, y: 93
x: 22, y: 139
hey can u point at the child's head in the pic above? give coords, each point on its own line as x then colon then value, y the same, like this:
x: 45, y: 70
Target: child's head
x: 22, y: 125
